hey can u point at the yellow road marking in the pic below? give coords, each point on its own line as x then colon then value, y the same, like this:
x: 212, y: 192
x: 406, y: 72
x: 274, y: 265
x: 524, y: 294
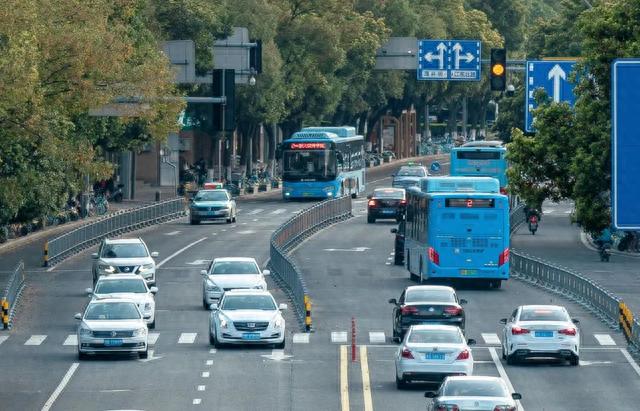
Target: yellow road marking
x: 366, y: 384
x: 344, y: 378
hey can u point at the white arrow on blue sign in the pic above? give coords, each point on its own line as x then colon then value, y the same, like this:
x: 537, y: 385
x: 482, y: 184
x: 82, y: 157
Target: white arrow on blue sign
x: 625, y: 106
x: 449, y: 60
x: 553, y: 77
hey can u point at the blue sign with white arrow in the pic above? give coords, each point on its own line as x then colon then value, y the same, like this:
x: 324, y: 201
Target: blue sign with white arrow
x: 435, y: 167
x: 553, y: 77
x: 625, y: 150
x: 449, y: 60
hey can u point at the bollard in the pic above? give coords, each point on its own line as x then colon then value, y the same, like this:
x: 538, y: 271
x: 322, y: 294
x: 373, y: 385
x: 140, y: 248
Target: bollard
x: 5, y: 313
x: 46, y: 254
x: 307, y: 315
x: 353, y: 339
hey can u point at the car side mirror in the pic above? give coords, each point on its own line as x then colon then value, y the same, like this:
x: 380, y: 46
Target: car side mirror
x: 203, y: 273
x: 283, y: 307
x: 266, y: 272
x: 155, y: 254
x: 393, y: 175
x: 369, y: 197
x: 471, y: 341
x: 88, y: 291
x: 94, y: 256
x: 146, y: 316
x: 213, y: 307
x: 463, y: 301
x: 153, y: 290
x: 430, y: 394
x: 575, y: 321
x: 516, y: 396
x: 393, y: 301
x: 394, y: 231
x: 78, y: 316
x: 503, y: 321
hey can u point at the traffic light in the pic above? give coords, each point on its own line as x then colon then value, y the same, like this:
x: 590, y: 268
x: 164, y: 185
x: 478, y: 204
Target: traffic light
x: 498, y: 69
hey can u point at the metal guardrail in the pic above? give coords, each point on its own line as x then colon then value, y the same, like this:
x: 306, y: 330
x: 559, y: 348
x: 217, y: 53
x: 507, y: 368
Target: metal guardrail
x: 290, y: 234
x: 61, y: 247
x: 11, y: 295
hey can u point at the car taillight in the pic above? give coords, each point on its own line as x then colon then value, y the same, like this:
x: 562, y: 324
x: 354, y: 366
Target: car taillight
x: 452, y: 310
x: 372, y: 203
x: 515, y: 330
x: 464, y: 355
x: 503, y: 190
x: 408, y: 309
x: 503, y: 257
x: 406, y: 353
x: 504, y: 408
x: 568, y: 331
x: 434, y: 257
x: 446, y: 407
x: 403, y: 202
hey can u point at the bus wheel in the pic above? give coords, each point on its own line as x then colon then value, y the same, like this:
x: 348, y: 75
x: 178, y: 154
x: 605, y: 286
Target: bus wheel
x: 496, y: 284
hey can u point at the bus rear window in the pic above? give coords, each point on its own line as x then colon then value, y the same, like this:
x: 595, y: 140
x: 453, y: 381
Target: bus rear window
x: 478, y: 155
x: 470, y: 202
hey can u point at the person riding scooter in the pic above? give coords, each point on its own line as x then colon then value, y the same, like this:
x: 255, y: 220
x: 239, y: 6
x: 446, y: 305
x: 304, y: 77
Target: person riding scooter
x: 604, y: 243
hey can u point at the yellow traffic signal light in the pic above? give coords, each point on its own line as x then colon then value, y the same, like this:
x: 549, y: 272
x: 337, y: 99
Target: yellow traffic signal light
x: 497, y: 69
x: 498, y: 74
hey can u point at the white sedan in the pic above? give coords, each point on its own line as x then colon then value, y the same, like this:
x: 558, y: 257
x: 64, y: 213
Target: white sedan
x: 540, y: 331
x: 432, y: 352
x: 473, y: 393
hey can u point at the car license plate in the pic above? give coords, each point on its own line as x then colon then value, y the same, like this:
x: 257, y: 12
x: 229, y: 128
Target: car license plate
x: 113, y: 342
x: 545, y: 334
x: 218, y: 212
x: 388, y: 211
x: 468, y: 272
x: 251, y: 336
x: 435, y: 356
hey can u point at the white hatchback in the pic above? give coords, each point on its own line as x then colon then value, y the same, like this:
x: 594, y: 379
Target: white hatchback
x: 544, y: 331
x: 431, y: 352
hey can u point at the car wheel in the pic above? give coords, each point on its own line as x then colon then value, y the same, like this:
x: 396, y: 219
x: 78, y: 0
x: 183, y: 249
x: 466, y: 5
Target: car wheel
x: 574, y: 360
x: 212, y: 340
x: 82, y: 356
x: 397, y: 260
x: 235, y: 218
x: 371, y: 220
x: 229, y: 220
x: 511, y: 359
x: 400, y: 383
x: 497, y: 284
x: 280, y: 346
x: 152, y: 326
x: 144, y: 354
x: 504, y: 352
x: 205, y: 305
x: 194, y: 222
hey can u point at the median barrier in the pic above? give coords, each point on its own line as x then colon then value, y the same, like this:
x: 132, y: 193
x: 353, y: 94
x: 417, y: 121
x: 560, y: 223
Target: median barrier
x: 11, y: 295
x: 288, y: 236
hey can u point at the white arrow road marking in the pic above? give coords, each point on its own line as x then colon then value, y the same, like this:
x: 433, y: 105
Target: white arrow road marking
x: 557, y: 73
x: 604, y: 339
x: 187, y: 338
x: 35, y: 340
x: 277, y: 355
x: 72, y: 339
x: 151, y: 357
x: 356, y: 249
x: 65, y: 380
x: 491, y: 338
x: 199, y: 262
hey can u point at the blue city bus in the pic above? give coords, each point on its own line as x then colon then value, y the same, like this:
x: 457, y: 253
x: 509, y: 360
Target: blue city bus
x: 481, y: 158
x: 456, y: 232
x: 323, y: 162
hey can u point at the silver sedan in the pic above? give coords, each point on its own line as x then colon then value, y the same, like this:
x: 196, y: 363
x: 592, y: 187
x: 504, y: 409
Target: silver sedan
x: 473, y: 393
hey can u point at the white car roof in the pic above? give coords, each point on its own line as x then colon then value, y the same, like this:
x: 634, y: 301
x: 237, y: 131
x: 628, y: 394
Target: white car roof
x: 475, y: 378
x: 112, y: 300
x: 123, y: 241
x: 430, y: 287
x: 247, y: 291
x: 543, y: 307
x: 124, y: 276
x: 423, y: 327
x: 232, y: 259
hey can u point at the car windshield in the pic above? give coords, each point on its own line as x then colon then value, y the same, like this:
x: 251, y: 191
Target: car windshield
x: 112, y: 311
x: 436, y: 296
x: 129, y: 250
x: 461, y: 388
x: 388, y: 193
x: 435, y: 337
x: 248, y: 302
x: 121, y: 286
x: 235, y: 267
x: 412, y: 172
x: 543, y: 314
x: 313, y: 165
x: 211, y: 196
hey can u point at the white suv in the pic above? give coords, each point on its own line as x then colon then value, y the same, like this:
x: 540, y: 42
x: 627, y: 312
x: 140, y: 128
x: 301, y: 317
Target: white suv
x: 125, y: 256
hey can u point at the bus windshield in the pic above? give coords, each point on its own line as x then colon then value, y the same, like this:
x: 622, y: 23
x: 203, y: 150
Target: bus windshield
x: 312, y: 165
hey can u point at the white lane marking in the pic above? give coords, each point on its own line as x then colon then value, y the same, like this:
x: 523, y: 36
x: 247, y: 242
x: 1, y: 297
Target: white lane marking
x: 377, y: 337
x: 173, y: 233
x: 199, y: 262
x: 3, y: 338
x: 209, y: 362
x: 197, y: 401
x: 205, y: 374
x: 238, y: 210
x: 183, y: 249
x: 246, y: 232
x: 63, y: 383
x: 72, y: 339
x: 214, y: 233
x: 491, y: 338
x: 568, y: 211
x: 244, y: 223
x: 35, y: 340
x: 301, y: 338
x: 503, y: 374
x: 202, y: 387
x: 256, y: 211
x: 339, y: 337
x: 387, y: 263
x: 630, y: 360
x: 224, y: 229
x: 212, y: 351
x: 153, y: 338
x: 548, y: 211
x: 392, y: 253
x: 604, y: 339
x: 187, y: 338
x: 254, y: 220
x: 279, y: 211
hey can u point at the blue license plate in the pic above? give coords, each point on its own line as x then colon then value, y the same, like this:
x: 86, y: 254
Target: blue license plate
x: 545, y: 334
x: 113, y: 342
x: 388, y: 211
x: 435, y: 356
x: 251, y: 336
x: 468, y: 272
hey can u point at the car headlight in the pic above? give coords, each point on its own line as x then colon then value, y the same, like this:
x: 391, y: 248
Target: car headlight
x: 85, y: 332
x: 223, y: 323
x: 328, y: 189
x: 147, y: 267
x: 279, y: 322
x: 147, y: 307
x: 140, y: 332
x: 210, y: 286
x: 106, y: 268
x: 260, y: 286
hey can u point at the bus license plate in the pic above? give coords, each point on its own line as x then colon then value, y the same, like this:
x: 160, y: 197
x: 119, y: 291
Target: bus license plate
x: 545, y: 334
x: 435, y: 356
x: 468, y: 272
x: 113, y: 342
x: 251, y: 336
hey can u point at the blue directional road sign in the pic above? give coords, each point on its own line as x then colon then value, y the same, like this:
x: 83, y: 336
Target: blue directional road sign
x: 553, y: 77
x: 435, y: 167
x: 625, y: 150
x: 449, y: 60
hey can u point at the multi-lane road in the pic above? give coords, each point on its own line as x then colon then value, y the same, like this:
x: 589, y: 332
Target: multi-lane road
x: 349, y: 275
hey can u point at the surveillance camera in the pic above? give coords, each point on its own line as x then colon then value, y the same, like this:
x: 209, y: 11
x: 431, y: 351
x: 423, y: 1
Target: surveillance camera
x: 511, y: 90
x: 252, y: 81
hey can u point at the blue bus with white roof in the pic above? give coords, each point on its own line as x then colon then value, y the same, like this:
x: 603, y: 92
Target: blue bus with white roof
x: 481, y: 158
x: 457, y: 227
x: 323, y: 162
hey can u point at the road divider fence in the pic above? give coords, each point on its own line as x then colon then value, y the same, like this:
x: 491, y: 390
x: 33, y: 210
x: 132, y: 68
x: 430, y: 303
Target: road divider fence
x: 288, y: 236
x: 67, y: 244
x: 11, y: 295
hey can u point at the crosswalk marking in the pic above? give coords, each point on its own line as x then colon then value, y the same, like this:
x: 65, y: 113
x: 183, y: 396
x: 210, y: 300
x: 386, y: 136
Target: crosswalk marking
x: 35, y: 340
x: 279, y: 211
x: 301, y: 338
x: 205, y: 374
x: 338, y: 337
x: 604, y: 339
x: 197, y: 401
x: 153, y: 338
x: 3, y: 338
x: 376, y: 337
x: 256, y: 211
x: 491, y: 338
x: 72, y: 339
x: 173, y: 233
x: 187, y: 338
